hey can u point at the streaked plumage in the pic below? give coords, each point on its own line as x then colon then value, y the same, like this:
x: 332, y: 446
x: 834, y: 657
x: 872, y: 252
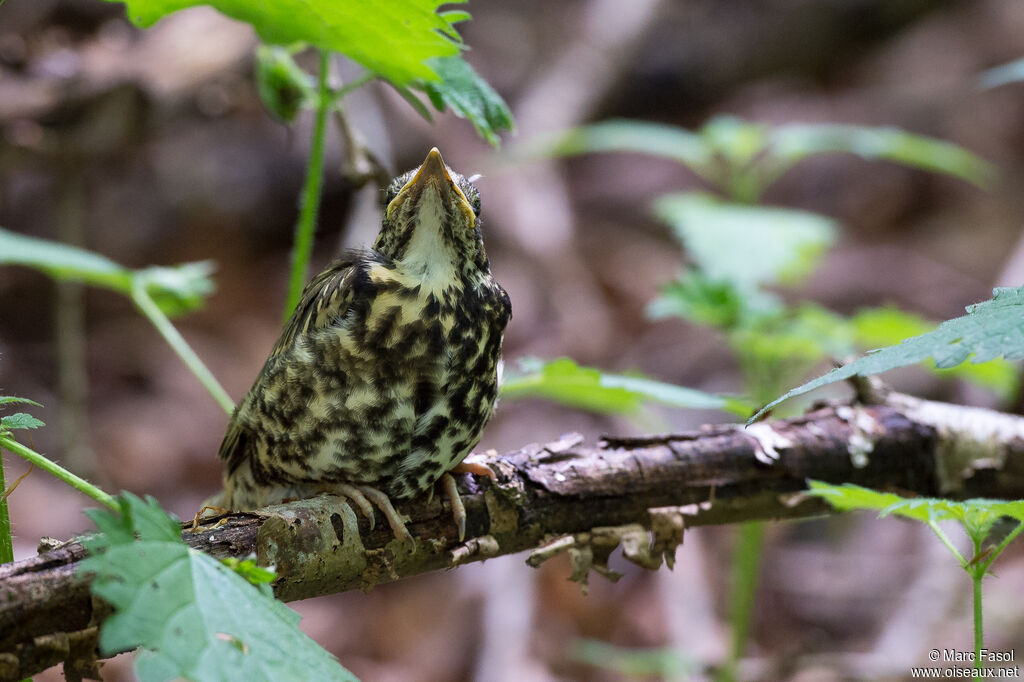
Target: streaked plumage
x: 387, y: 371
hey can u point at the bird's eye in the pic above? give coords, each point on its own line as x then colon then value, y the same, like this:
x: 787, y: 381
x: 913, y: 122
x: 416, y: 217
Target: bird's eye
x: 472, y: 196
x: 392, y: 190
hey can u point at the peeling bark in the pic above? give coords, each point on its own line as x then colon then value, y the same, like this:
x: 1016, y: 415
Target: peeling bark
x: 566, y: 496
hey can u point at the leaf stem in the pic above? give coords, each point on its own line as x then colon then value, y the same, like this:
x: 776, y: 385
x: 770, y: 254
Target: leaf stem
x: 311, y: 191
x: 1002, y: 545
x: 6, y: 543
x: 177, y: 342
x: 76, y: 482
x: 354, y: 85
x: 746, y: 568
x: 976, y: 577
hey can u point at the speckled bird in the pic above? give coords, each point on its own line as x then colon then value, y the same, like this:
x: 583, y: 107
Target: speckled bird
x: 388, y: 369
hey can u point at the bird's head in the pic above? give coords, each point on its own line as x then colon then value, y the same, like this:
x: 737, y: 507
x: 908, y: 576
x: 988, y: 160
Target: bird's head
x: 431, y: 218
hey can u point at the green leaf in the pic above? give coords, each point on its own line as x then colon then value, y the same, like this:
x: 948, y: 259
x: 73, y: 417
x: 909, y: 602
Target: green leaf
x: 63, y: 262
x: 283, y: 86
x: 977, y: 515
x: 19, y: 420
x: 1002, y: 75
x: 194, y: 616
x: 676, y: 396
x: 990, y: 329
x: 393, y: 38
x: 792, y: 143
x: 175, y: 289
x: 886, y: 326
x: 251, y: 571
x: 8, y: 399
x: 621, y: 135
x: 695, y: 297
x: 736, y: 141
x: 565, y: 382
x: 747, y: 246
x: 469, y: 96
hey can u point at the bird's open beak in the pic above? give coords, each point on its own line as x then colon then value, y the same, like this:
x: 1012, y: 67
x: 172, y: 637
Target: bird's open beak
x: 433, y: 174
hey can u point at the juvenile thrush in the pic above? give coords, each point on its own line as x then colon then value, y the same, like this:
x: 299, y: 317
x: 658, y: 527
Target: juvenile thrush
x: 385, y: 375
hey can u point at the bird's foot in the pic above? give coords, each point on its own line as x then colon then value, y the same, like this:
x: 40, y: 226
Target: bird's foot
x: 202, y: 511
x: 365, y: 497
x: 458, y: 509
x: 475, y: 468
x: 450, y: 489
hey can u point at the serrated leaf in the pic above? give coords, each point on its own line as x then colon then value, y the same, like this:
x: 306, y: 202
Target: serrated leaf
x: 563, y: 381
x: 7, y: 399
x: 19, y: 420
x: 697, y: 297
x: 283, y: 86
x: 1002, y: 75
x: 393, y: 38
x: 877, y: 327
x: 175, y: 289
x: 989, y: 330
x: 621, y: 135
x: 792, y: 143
x: 469, y: 96
x: 747, y: 246
x: 178, y: 289
x: 977, y: 515
x: 194, y: 616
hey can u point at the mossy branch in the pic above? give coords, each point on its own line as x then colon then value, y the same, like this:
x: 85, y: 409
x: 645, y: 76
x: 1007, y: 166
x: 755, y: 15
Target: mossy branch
x: 574, y: 497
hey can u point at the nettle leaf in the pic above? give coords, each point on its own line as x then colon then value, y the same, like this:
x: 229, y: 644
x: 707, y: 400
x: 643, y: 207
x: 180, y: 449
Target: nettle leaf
x: 469, y: 96
x: 176, y: 289
x: 392, y: 38
x: 283, y: 86
x: 886, y: 326
x: 19, y: 420
x: 8, y: 399
x: 978, y: 515
x: 792, y: 143
x: 989, y: 330
x: 622, y: 135
x: 563, y: 381
x: 695, y: 297
x: 747, y: 246
x: 194, y: 617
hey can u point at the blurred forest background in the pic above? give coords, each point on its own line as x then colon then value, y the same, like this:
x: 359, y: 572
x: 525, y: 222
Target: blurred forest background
x: 152, y: 147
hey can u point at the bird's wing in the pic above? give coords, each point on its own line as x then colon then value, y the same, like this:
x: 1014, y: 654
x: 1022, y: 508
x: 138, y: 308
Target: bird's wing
x: 325, y: 299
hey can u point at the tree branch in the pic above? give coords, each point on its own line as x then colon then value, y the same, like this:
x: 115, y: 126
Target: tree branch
x: 562, y: 496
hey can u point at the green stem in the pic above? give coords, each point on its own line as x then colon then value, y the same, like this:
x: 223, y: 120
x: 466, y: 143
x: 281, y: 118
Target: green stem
x: 177, y: 342
x: 999, y: 549
x: 76, y: 482
x: 354, y: 85
x: 976, y: 576
x: 746, y: 570
x: 311, y: 190
x: 6, y: 543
